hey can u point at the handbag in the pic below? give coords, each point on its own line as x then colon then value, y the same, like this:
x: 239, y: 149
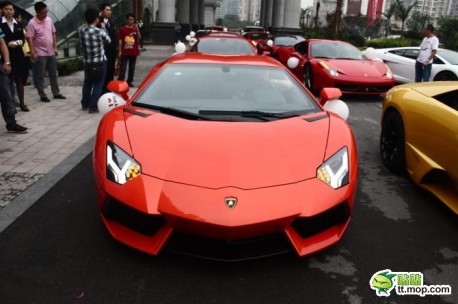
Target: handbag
x: 94, y: 71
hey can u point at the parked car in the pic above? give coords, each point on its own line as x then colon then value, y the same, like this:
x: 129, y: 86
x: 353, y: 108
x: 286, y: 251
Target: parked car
x: 225, y: 157
x: 420, y: 136
x: 323, y: 63
x: 270, y: 45
x: 256, y: 37
x: 220, y: 43
x: 401, y: 61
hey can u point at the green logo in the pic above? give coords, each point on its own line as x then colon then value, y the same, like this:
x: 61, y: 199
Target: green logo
x: 382, y: 282
x: 405, y: 283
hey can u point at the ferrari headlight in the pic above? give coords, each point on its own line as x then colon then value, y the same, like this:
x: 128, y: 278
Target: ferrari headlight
x: 121, y: 168
x: 334, y: 171
x: 332, y: 71
x: 388, y: 74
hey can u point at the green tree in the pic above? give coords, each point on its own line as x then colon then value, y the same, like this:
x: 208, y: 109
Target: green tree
x: 389, y: 13
x: 448, y: 33
x: 337, y: 18
x: 232, y: 21
x: 416, y: 24
x: 403, y: 12
x: 316, y: 14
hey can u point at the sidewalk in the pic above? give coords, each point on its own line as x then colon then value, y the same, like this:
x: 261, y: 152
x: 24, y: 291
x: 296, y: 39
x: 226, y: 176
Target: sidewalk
x: 60, y: 135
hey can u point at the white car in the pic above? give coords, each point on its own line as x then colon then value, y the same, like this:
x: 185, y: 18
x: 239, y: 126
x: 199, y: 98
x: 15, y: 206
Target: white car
x: 401, y: 61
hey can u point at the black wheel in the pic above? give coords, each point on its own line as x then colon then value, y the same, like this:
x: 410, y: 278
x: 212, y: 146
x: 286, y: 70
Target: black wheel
x: 308, y: 77
x: 445, y: 76
x: 392, y: 143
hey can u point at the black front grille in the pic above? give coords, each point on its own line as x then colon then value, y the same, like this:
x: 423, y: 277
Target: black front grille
x: 229, y: 251
x: 138, y: 221
x: 362, y: 88
x: 308, y: 226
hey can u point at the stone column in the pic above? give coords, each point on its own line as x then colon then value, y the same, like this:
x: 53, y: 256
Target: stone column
x: 292, y: 14
x: 166, y: 11
x: 262, y: 13
x: 268, y: 13
x: 278, y: 13
x: 193, y: 14
x: 163, y: 31
x: 201, y: 14
x: 183, y: 8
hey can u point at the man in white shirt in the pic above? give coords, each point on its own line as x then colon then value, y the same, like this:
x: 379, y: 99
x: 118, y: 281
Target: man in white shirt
x: 428, y: 49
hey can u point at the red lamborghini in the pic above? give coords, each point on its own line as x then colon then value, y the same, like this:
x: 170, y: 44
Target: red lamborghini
x: 331, y: 63
x: 227, y: 158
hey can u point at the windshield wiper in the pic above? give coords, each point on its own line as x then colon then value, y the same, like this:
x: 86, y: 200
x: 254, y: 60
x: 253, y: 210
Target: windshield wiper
x: 172, y: 111
x: 255, y: 114
x: 348, y: 58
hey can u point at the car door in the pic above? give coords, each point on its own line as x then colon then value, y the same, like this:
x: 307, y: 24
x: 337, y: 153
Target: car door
x: 435, y: 129
x: 402, y: 64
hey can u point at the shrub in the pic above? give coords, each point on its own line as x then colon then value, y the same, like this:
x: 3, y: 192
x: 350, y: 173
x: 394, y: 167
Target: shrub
x: 69, y: 66
x: 386, y: 43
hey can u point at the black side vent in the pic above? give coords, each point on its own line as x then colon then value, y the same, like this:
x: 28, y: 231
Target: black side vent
x: 435, y: 176
x: 140, y: 222
x: 308, y: 226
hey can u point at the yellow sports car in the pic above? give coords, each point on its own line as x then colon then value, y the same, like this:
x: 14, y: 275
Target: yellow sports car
x: 420, y: 135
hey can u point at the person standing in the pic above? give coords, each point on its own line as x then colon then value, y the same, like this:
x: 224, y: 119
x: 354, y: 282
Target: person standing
x: 428, y: 49
x: 93, y: 40
x: 141, y: 30
x: 41, y: 36
x: 177, y: 32
x: 8, y: 109
x: 15, y: 38
x: 128, y: 37
x: 111, y: 49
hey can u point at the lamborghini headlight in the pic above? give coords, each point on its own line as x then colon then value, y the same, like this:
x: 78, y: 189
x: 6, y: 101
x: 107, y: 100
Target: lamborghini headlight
x: 388, y: 74
x: 331, y: 70
x: 334, y: 171
x: 121, y: 167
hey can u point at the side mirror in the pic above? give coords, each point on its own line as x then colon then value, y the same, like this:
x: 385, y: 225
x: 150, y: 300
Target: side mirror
x: 329, y: 98
x: 120, y: 87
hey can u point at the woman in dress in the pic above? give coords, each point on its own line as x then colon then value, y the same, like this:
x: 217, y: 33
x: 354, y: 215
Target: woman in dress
x: 15, y: 39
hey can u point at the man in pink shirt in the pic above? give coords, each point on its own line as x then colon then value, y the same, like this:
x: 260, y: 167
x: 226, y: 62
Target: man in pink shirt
x: 41, y: 36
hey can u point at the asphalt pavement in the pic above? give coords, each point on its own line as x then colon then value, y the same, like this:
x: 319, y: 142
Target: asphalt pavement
x: 60, y: 135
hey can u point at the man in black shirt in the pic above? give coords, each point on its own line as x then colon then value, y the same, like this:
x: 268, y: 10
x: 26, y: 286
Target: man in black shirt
x: 111, y: 49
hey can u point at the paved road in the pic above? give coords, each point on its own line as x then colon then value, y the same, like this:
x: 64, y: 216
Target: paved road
x: 59, y: 252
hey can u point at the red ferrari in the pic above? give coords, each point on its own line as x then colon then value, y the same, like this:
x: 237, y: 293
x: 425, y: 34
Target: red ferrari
x: 331, y: 63
x: 227, y: 158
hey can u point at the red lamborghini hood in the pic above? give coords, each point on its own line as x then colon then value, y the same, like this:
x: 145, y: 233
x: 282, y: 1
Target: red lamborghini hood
x: 222, y: 154
x: 359, y: 68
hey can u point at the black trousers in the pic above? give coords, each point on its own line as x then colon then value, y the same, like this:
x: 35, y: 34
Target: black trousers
x: 122, y: 73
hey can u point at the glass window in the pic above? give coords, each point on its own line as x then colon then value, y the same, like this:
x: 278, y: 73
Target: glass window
x: 226, y: 87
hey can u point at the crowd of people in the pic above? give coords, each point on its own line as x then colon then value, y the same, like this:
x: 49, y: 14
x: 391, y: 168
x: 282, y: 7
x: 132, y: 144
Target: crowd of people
x: 32, y: 47
x: 107, y: 50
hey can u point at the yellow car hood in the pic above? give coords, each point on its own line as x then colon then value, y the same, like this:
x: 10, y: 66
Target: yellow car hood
x: 432, y: 89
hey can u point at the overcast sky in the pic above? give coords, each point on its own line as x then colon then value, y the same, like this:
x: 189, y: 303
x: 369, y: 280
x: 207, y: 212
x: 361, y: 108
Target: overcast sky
x: 306, y: 3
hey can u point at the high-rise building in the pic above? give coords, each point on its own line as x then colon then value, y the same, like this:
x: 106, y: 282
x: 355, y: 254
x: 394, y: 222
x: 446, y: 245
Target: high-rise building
x: 250, y: 10
x: 246, y: 10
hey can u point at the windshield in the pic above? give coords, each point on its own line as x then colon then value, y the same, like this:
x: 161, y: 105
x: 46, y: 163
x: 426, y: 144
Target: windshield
x: 335, y: 50
x: 450, y: 56
x: 223, y: 46
x: 288, y: 40
x: 258, y: 36
x: 205, y: 89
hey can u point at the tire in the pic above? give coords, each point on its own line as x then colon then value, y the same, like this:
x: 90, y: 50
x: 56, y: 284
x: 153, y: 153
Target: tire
x: 392, y: 143
x: 445, y: 76
x: 308, y: 78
